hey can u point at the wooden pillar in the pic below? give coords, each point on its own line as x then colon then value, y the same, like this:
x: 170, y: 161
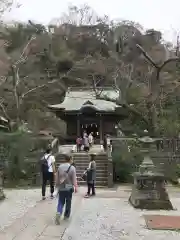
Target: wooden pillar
x: 78, y: 125
x: 100, y: 128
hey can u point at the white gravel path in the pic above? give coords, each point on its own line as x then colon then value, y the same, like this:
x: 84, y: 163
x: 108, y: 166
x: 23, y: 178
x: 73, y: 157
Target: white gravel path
x: 96, y: 218
x: 115, y: 219
x: 17, y: 204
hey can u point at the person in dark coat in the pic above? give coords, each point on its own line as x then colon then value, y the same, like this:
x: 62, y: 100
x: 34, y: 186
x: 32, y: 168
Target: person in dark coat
x: 105, y: 143
x: 91, y: 177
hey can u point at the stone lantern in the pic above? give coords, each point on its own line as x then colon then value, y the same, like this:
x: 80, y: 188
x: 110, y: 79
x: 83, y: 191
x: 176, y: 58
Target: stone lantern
x: 148, y: 191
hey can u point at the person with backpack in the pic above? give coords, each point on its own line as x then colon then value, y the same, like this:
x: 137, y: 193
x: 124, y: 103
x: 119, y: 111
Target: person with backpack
x: 66, y: 184
x: 48, y: 171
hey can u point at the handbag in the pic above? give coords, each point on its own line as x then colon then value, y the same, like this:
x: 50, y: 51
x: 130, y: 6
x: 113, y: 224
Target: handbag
x: 84, y: 176
x: 64, y: 185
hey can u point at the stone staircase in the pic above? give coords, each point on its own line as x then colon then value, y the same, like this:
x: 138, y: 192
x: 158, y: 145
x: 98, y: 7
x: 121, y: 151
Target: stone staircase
x: 81, y: 161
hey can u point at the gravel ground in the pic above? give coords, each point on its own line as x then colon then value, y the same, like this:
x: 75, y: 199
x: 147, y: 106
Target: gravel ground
x: 107, y: 219
x: 17, y: 204
x: 96, y: 218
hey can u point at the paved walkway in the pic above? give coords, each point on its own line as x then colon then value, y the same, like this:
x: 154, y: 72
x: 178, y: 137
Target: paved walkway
x: 107, y: 216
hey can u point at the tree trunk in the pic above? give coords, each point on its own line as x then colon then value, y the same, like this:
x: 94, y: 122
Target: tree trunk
x: 2, y: 195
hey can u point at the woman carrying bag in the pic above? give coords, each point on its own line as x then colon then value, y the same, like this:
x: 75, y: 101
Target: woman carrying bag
x: 90, y: 176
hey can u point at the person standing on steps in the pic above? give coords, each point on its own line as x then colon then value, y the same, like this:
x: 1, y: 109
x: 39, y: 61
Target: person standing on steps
x: 48, y: 171
x: 105, y: 143
x: 108, y: 139
x: 90, y: 139
x: 79, y: 143
x: 66, y: 184
x: 91, y: 177
x: 86, y: 143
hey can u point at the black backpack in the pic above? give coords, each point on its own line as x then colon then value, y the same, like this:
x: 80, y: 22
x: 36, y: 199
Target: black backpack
x: 44, y: 164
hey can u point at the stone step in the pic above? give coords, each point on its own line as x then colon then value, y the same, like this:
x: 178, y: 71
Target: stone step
x: 89, y: 153
x: 87, y: 157
x: 98, y: 163
x: 98, y: 170
x: 98, y: 183
x: 98, y: 178
x: 82, y: 156
x: 87, y: 160
x: 98, y: 167
x: 77, y: 161
x: 99, y: 174
x: 81, y: 161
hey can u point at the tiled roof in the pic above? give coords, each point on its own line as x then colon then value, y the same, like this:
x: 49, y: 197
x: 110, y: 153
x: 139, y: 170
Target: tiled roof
x: 77, y: 99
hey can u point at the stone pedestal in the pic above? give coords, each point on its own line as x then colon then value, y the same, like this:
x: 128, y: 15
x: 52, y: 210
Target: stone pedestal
x: 148, y: 191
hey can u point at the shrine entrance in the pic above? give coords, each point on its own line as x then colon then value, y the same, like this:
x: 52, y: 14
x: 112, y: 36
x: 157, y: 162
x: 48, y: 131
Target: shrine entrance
x: 91, y: 128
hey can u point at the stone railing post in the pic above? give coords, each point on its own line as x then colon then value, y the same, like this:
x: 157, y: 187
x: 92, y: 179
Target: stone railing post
x: 110, y: 169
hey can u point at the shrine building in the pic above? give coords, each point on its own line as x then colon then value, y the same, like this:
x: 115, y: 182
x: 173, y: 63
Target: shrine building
x: 82, y: 111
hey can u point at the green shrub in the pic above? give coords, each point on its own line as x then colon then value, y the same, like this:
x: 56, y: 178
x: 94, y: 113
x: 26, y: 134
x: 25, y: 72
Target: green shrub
x: 19, y: 155
x: 126, y: 160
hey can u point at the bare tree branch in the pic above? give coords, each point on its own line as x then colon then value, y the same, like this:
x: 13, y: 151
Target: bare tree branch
x: 94, y: 83
x: 147, y: 56
x: 177, y: 46
x: 155, y: 89
x: 126, y: 106
x: 159, y: 69
x: 63, y: 87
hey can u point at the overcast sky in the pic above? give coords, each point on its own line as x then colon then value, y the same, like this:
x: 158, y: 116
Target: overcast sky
x: 162, y: 15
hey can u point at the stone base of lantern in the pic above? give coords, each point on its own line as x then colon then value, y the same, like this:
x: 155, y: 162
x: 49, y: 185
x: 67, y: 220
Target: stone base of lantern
x: 150, y: 199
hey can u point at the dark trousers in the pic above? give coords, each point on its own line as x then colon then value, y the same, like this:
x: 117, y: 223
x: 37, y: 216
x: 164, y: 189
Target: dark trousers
x: 65, y: 198
x: 91, y: 187
x: 105, y: 147
x: 45, y: 178
x: 79, y: 147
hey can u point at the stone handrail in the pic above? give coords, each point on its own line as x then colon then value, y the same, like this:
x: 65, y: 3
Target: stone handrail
x: 54, y: 142
x: 55, y: 145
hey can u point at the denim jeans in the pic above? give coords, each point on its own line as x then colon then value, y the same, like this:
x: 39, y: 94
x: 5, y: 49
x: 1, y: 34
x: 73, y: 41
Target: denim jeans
x: 65, y: 198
